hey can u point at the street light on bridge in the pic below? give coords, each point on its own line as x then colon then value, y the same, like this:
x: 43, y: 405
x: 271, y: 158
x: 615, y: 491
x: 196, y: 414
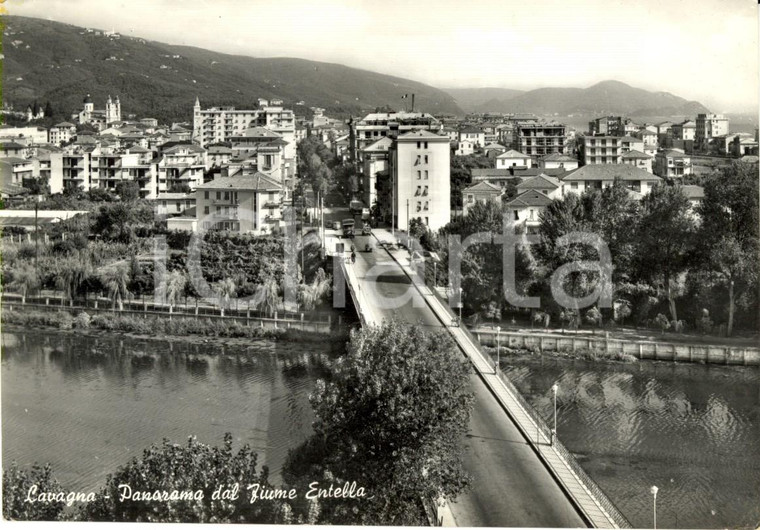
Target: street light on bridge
x: 654, y: 491
x: 498, y: 349
x: 555, y: 388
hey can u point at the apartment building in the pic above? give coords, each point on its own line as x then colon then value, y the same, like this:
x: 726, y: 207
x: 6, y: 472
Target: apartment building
x: 180, y: 165
x: 637, y: 159
x: 375, y: 165
x: 420, y: 173
x: 73, y: 166
x: 685, y: 130
x: 61, y: 133
x: 392, y: 124
x: 246, y: 204
x: 219, y: 124
x: 539, y: 139
x: 709, y: 126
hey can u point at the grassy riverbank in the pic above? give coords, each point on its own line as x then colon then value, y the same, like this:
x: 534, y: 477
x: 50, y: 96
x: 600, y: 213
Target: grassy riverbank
x: 153, y: 326
x: 585, y: 354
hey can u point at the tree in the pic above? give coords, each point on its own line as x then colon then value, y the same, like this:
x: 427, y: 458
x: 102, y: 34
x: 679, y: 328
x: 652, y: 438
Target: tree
x: 115, y: 222
x: 192, y: 467
x: 175, y: 287
x: 25, y: 280
x: 391, y: 416
x: 729, y: 234
x: 665, y: 239
x: 115, y: 279
x: 225, y: 289
x: 16, y: 486
x: 662, y: 321
x: 128, y: 191
x: 594, y: 316
x: 271, y: 295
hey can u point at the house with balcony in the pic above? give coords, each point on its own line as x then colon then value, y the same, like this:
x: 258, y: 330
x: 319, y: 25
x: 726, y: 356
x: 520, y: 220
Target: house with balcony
x: 179, y: 165
x: 672, y: 163
x: 637, y: 159
x: 480, y: 192
x: 599, y: 176
x: 248, y: 204
x: 536, y: 139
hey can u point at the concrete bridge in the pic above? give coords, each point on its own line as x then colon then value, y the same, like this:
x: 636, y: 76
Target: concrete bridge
x: 520, y: 478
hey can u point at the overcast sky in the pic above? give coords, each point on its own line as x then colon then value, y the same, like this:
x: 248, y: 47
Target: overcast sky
x: 698, y: 49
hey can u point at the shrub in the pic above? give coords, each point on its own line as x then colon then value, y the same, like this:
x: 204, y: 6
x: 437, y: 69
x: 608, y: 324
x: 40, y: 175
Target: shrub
x: 82, y: 320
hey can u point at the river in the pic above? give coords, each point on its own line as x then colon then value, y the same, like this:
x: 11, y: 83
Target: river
x: 83, y: 405
x: 692, y: 430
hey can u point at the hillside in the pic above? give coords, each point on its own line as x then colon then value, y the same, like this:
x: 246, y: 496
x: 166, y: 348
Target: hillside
x: 469, y: 99
x: 62, y: 63
x: 607, y: 97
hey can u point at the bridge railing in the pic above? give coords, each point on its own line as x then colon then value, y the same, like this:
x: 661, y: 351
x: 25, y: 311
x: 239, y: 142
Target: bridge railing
x: 605, y: 502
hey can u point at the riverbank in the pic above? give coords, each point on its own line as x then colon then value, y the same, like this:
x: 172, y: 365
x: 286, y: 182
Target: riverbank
x: 584, y: 354
x: 192, y: 330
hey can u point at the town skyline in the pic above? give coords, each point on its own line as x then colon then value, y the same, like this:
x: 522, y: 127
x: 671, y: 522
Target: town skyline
x: 465, y: 48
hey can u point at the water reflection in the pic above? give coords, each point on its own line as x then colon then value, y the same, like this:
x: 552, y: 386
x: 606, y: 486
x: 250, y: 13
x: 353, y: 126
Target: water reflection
x: 693, y: 430
x: 88, y: 404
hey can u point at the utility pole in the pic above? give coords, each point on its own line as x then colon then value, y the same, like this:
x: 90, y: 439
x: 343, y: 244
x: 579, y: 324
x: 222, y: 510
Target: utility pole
x: 412, y: 102
x: 36, y: 234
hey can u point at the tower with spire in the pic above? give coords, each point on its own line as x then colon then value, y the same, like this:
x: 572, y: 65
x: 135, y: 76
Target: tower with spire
x: 113, y: 110
x: 196, y: 118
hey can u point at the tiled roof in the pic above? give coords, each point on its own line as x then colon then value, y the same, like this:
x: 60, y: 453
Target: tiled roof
x: 12, y: 145
x: 610, y: 172
x: 13, y: 160
x: 64, y: 124
x: 557, y: 157
x: 633, y: 153
x: 530, y: 198
x: 521, y: 173
x: 512, y: 154
x: 383, y: 144
x: 256, y: 182
x: 484, y: 186
x: 175, y: 196
x: 673, y: 153
x: 629, y: 139
x: 260, y: 132
x: 693, y: 192
x: 540, y: 182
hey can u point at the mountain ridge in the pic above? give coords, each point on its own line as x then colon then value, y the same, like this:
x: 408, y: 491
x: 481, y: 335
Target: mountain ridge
x: 46, y: 60
x: 602, y: 98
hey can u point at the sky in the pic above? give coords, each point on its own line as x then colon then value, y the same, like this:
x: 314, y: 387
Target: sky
x: 704, y: 50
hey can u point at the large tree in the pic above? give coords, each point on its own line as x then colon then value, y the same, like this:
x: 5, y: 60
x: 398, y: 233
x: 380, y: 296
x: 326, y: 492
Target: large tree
x: 728, y: 233
x: 190, y: 467
x: 665, y: 240
x: 390, y: 417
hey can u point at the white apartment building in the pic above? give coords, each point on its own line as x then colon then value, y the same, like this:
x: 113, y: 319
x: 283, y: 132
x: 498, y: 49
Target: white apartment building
x: 421, y: 179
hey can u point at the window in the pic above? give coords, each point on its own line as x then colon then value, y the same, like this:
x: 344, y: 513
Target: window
x: 426, y: 159
x: 573, y: 185
x: 426, y: 145
x: 179, y: 209
x: 470, y: 199
x: 218, y: 210
x: 419, y: 145
x: 419, y: 206
x: 427, y: 222
x: 218, y: 195
x: 205, y: 210
x: 426, y: 206
x: 205, y: 195
x: 419, y: 175
x: 426, y: 174
x: 163, y: 203
x: 419, y: 188
x: 425, y: 191
x: 417, y: 163
x: 517, y: 215
x: 531, y: 214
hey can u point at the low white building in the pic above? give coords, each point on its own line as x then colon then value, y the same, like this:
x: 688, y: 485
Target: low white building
x: 512, y: 158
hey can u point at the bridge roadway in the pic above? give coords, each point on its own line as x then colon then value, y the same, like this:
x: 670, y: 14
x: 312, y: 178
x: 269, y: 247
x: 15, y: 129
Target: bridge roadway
x: 511, y: 486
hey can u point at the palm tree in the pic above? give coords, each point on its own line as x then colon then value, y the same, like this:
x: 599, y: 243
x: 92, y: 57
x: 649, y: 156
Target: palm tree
x: 25, y: 279
x: 224, y: 290
x: 115, y: 280
x: 71, y: 274
x: 175, y: 287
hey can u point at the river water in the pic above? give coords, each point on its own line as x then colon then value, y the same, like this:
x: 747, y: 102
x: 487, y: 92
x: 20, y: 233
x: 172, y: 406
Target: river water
x: 692, y: 430
x: 83, y: 404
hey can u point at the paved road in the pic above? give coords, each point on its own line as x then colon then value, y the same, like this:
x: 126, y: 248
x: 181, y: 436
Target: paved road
x: 511, y: 487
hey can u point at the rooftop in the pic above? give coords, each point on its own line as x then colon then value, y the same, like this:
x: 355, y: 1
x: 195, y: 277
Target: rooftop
x: 610, y: 172
x: 256, y: 182
x: 530, y: 198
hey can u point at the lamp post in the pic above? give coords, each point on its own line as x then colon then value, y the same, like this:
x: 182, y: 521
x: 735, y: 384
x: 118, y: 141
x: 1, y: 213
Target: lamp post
x: 654, y: 505
x: 461, y: 303
x: 555, y: 388
x: 498, y: 349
